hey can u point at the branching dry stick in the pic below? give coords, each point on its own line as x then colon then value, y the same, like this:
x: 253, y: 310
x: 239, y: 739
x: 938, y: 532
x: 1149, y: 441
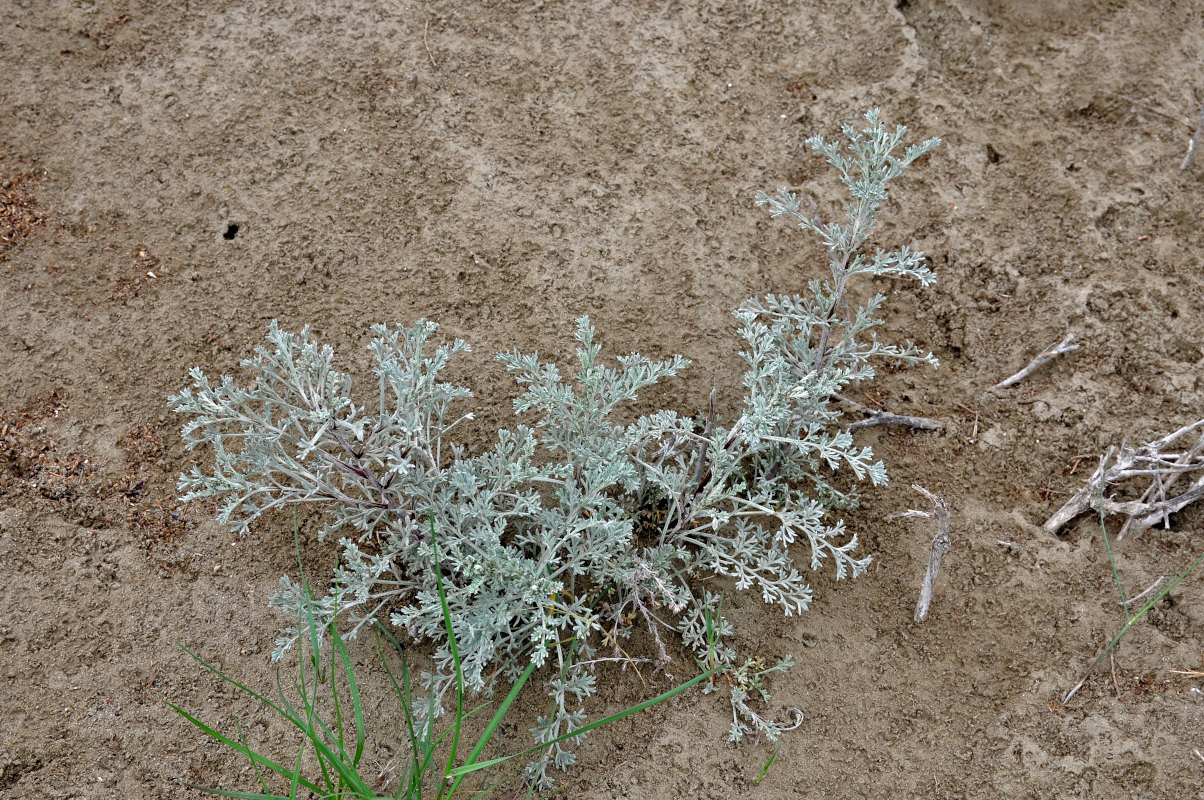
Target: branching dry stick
x: 878, y: 417
x: 1161, y: 484
x: 885, y: 418
x: 1157, y: 512
x: 1151, y: 462
x: 1046, y: 355
x: 1192, y: 144
x: 426, y: 27
x: 940, y: 546
x: 1134, y: 101
x: 1195, y: 141
x: 1152, y: 587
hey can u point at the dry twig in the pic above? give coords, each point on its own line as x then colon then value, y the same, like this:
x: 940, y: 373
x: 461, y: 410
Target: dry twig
x: 876, y: 416
x: 885, y: 418
x: 1151, y: 462
x: 940, y: 546
x: 1134, y: 101
x: 426, y: 27
x: 1192, y: 144
x: 1195, y: 141
x: 1046, y: 355
x: 1152, y: 587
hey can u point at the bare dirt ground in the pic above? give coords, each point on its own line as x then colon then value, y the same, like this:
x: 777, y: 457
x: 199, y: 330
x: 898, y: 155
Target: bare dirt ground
x: 177, y: 174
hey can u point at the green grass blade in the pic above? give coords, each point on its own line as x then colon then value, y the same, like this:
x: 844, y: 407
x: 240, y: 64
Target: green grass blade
x: 338, y: 710
x: 243, y: 795
x: 414, y: 787
x: 315, y: 649
x: 237, y: 685
x: 317, y: 733
x: 312, y: 736
x: 335, y: 736
x: 328, y: 756
x: 243, y: 738
x: 292, y: 789
x: 1132, y: 621
x: 353, y: 688
x: 584, y: 729
x: 470, y: 712
x: 455, y: 654
x: 254, y: 756
x: 493, y: 723
x: 302, y: 690
x: 346, y: 772
x: 314, y: 640
x: 768, y: 764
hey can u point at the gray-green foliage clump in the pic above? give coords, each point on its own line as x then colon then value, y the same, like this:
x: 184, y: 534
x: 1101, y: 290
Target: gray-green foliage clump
x: 580, y: 522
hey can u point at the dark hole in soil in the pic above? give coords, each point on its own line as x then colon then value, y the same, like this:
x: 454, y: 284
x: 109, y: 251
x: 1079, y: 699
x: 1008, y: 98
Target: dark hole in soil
x: 231, y: 232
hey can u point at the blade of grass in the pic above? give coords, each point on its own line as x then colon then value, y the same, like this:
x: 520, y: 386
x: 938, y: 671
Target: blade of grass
x: 1103, y: 526
x: 315, y: 640
x: 353, y: 688
x: 335, y: 736
x: 584, y: 729
x: 292, y: 789
x: 417, y: 769
x: 315, y: 657
x: 313, y: 724
x: 334, y: 697
x: 326, y: 754
x: 1132, y: 621
x: 302, y: 690
x: 493, y: 724
x: 254, y: 756
x: 768, y: 764
x: 240, y: 686
x: 316, y: 732
x: 258, y: 775
x: 455, y: 654
x: 501, y: 712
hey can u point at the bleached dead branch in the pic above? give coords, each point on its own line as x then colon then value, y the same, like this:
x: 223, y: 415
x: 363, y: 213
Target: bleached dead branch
x: 1194, y: 142
x: 940, y: 546
x: 875, y: 416
x: 1153, y: 462
x: 1046, y: 355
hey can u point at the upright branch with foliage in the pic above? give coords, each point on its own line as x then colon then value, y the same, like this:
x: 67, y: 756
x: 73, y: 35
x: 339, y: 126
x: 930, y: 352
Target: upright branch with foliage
x: 572, y: 528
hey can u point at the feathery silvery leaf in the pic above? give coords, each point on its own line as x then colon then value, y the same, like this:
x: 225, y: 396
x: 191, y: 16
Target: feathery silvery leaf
x: 585, y: 519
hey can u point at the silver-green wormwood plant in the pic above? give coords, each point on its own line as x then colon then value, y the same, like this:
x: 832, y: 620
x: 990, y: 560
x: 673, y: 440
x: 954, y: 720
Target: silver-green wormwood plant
x: 581, y: 523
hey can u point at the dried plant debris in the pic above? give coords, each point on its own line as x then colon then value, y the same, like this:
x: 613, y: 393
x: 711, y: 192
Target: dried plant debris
x: 34, y: 465
x: 19, y: 213
x: 1194, y: 143
x: 940, y: 546
x: 1045, y: 356
x: 31, y: 461
x: 147, y: 492
x: 1155, y: 463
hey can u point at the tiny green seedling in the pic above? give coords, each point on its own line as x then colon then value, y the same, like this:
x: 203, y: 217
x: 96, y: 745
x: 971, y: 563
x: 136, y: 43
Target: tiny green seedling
x: 765, y: 769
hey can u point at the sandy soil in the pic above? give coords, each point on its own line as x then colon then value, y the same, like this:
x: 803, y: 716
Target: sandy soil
x: 176, y: 174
